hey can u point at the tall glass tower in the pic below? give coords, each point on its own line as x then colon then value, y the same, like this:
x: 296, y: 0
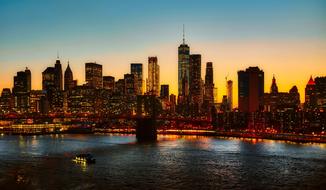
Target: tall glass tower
x: 183, y: 68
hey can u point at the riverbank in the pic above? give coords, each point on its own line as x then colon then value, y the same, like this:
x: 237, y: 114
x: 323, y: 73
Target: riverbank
x: 299, y: 138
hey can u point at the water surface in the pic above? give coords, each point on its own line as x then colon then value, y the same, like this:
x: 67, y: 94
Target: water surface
x: 174, y: 162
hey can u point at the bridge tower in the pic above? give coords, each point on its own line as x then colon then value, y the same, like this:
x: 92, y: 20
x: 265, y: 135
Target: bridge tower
x: 146, y: 118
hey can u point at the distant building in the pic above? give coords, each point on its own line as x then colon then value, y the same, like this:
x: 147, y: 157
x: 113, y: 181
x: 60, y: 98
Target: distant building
x: 321, y: 92
x: 53, y: 86
x: 93, y: 75
x: 21, y: 90
x: 195, y: 87
x: 82, y: 100
x: 130, y: 85
x: 153, y: 82
x: 229, y: 85
x: 183, y: 69
x: 310, y: 95
x: 315, y: 94
x: 7, y: 101
x: 37, y: 101
x: 58, y: 75
x: 120, y: 87
x: 165, y: 92
x: 209, y: 85
x: 281, y: 101
x: 69, y: 83
x: 109, y: 83
x: 250, y: 89
x: 137, y: 70
x: 173, y: 102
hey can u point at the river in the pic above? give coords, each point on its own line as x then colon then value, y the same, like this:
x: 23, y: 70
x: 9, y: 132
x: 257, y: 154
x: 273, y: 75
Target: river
x: 173, y: 162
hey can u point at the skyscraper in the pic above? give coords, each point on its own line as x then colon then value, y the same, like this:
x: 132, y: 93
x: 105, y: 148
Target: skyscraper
x: 195, y: 83
x: 310, y: 95
x: 183, y: 68
x: 58, y: 75
x: 209, y: 84
x: 69, y: 79
x: 21, y: 89
x: 230, y: 94
x: 274, y: 88
x: 93, y: 75
x: 48, y: 78
x: 321, y: 92
x: 165, y: 91
x: 137, y: 70
x: 153, y: 83
x: 109, y: 83
x: 250, y: 89
x: 130, y: 84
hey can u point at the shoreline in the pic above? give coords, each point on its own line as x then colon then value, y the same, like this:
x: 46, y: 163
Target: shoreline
x: 297, y: 138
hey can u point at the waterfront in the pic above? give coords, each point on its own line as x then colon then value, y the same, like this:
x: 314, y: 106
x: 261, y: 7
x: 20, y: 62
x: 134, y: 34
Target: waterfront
x: 174, y: 162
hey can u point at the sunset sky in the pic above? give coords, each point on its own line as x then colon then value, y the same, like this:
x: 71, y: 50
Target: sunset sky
x: 283, y: 37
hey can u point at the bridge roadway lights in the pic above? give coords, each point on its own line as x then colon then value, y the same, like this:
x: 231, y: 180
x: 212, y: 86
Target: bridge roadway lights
x: 146, y: 129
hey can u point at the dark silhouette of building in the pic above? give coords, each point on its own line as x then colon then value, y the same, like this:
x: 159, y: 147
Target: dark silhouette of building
x: 7, y: 101
x: 52, y: 85
x: 310, y: 95
x: 165, y: 91
x: 195, y: 81
x: 281, y: 101
x: 229, y: 88
x: 21, y: 90
x: 250, y: 89
x: 130, y: 85
x: 137, y: 70
x: 120, y: 87
x: 321, y: 92
x: 93, y: 75
x: 69, y: 83
x: 58, y: 75
x: 274, y: 88
x: 109, y: 83
x: 209, y: 86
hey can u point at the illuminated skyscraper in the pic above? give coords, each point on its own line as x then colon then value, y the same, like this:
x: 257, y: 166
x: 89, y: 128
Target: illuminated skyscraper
x: 183, y: 68
x: 153, y: 82
x: 230, y: 94
x: 251, y: 89
x: 195, y: 83
x: 93, y: 75
x: 209, y: 85
x: 137, y: 70
x: 69, y: 79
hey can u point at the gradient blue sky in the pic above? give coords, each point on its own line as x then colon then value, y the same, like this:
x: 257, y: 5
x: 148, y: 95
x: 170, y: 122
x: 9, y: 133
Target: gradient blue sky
x: 284, y: 37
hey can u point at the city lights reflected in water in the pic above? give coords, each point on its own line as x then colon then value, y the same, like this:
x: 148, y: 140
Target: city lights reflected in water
x: 173, y: 161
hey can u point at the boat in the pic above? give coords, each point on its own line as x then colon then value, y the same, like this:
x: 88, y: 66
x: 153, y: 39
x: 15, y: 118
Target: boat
x: 84, y: 158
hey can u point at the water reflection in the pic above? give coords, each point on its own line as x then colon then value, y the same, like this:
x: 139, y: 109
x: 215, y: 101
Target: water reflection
x: 173, y: 162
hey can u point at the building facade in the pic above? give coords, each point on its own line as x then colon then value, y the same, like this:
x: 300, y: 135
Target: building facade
x: 153, y: 81
x: 93, y: 75
x: 250, y: 89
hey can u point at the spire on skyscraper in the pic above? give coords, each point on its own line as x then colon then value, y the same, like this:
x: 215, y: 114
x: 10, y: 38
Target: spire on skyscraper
x: 183, y: 34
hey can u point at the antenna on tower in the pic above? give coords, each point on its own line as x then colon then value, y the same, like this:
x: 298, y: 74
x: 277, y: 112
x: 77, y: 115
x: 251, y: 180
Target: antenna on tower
x: 57, y: 54
x: 183, y: 33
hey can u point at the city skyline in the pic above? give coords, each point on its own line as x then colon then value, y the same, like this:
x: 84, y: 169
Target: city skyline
x: 291, y: 52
